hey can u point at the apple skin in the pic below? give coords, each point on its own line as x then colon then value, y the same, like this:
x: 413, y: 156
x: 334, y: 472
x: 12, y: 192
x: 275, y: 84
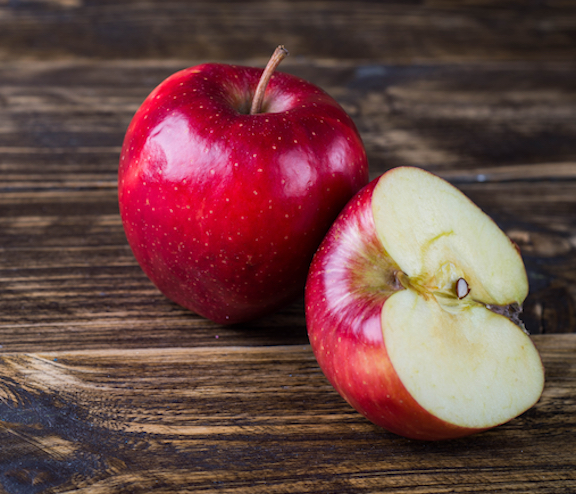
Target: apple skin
x: 224, y: 210
x: 345, y: 329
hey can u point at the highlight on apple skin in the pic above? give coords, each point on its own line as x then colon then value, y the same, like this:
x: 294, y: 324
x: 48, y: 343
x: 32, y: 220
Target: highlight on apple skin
x: 412, y: 304
x: 224, y: 208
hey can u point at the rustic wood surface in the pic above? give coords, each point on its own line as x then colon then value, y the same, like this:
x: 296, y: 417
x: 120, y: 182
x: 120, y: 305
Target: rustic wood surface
x: 108, y: 387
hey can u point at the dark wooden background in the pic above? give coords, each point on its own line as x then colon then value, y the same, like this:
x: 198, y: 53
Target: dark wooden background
x: 107, y: 387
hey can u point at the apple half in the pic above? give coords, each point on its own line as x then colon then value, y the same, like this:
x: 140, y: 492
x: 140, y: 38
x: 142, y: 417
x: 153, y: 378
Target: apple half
x: 412, y: 308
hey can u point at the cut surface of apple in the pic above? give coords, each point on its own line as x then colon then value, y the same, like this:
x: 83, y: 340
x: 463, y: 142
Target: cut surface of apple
x: 437, y: 235
x: 446, y: 334
x: 474, y: 370
x: 412, y: 310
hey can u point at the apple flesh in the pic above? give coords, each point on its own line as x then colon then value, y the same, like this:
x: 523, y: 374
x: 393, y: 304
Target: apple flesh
x: 412, y: 305
x: 224, y: 209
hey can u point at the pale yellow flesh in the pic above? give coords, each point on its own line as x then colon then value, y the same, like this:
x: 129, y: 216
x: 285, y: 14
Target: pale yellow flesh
x: 474, y: 369
x: 424, y: 223
x: 458, y: 359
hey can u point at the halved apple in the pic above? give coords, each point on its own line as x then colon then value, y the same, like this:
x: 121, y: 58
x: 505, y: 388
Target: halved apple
x: 412, y: 307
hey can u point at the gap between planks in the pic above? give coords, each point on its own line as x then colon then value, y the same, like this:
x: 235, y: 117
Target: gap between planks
x: 513, y: 173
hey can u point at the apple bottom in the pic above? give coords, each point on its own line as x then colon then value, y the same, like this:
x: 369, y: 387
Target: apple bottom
x: 204, y: 295
x: 380, y: 395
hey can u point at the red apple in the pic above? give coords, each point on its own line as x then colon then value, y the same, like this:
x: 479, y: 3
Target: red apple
x: 412, y: 306
x: 224, y: 203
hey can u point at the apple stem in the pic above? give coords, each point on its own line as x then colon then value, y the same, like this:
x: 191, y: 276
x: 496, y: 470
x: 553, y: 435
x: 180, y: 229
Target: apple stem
x: 279, y: 54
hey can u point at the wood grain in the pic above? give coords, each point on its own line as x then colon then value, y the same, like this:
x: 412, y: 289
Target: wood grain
x: 186, y: 420
x: 445, y: 30
x: 108, y: 387
x: 64, y: 259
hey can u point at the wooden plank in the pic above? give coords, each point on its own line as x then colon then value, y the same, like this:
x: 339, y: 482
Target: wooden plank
x: 239, y: 419
x: 393, y: 31
x: 436, y: 116
x: 106, y: 386
x: 68, y: 276
x: 65, y: 261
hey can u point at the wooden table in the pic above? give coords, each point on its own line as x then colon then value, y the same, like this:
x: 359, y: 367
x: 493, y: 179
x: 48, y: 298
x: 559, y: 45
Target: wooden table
x: 108, y: 387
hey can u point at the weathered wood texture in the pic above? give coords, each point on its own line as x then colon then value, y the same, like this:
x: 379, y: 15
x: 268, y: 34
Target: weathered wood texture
x: 407, y: 31
x: 107, y: 387
x: 505, y: 134
x: 261, y: 419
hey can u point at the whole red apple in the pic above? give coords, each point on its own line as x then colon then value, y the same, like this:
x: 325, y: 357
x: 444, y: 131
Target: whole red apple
x: 225, y: 196
x: 412, y: 306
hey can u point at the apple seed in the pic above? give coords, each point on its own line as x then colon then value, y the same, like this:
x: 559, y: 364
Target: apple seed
x: 462, y: 288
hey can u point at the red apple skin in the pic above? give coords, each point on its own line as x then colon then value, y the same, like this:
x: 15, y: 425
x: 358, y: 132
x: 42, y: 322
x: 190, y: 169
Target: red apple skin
x: 345, y: 330
x: 224, y: 210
